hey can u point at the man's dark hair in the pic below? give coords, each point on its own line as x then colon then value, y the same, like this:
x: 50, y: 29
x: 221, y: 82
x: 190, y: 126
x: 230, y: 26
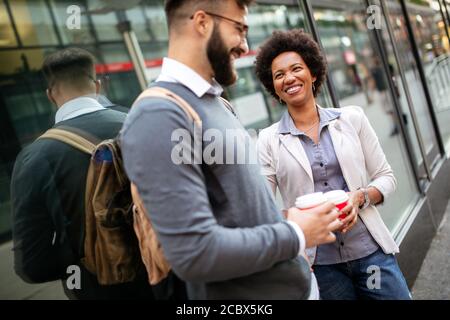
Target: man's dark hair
x: 295, y: 40
x: 185, y: 8
x: 74, y: 66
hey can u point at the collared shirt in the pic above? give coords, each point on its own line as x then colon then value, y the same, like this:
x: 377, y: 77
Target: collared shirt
x: 357, y: 242
x: 174, y: 71
x: 77, y: 107
x: 177, y: 72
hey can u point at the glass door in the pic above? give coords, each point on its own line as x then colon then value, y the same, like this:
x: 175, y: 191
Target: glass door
x: 412, y: 84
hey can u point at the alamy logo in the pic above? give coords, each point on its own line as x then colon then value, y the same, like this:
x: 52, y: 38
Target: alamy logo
x: 374, y: 19
x: 374, y: 280
x: 233, y: 146
x: 74, y: 19
x: 74, y: 280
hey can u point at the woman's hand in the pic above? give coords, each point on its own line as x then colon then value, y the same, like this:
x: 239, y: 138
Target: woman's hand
x: 351, y: 210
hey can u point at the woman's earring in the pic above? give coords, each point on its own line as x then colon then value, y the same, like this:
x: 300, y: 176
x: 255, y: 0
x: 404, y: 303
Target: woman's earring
x: 281, y: 101
x: 314, y: 88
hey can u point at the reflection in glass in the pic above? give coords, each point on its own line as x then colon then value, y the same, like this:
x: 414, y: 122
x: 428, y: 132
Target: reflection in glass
x: 33, y: 23
x: 155, y: 19
x: 122, y: 86
x: 434, y: 50
x: 7, y: 38
x: 106, y: 26
x: 156, y: 27
x: 413, y: 81
x: 71, y: 36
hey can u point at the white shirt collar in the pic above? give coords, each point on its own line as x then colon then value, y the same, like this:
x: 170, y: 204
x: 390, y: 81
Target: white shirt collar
x: 175, y: 71
x: 77, y: 107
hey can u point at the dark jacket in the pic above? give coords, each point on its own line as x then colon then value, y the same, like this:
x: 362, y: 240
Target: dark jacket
x: 47, y: 196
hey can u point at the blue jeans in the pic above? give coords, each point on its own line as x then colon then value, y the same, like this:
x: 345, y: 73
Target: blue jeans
x: 376, y: 276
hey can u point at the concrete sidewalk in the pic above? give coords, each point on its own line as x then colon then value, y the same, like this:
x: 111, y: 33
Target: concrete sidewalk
x: 433, y: 281
x: 13, y: 288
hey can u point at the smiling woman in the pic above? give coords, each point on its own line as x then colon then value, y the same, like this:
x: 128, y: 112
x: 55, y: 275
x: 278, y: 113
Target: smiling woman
x: 292, y: 79
x: 312, y: 149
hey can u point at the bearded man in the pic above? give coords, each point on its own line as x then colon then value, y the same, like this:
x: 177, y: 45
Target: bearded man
x: 218, y: 224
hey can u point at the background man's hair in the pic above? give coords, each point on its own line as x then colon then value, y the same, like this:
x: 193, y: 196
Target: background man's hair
x: 176, y: 9
x: 71, y: 66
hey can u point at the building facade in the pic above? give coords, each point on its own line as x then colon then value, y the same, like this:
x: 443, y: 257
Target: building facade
x: 391, y: 57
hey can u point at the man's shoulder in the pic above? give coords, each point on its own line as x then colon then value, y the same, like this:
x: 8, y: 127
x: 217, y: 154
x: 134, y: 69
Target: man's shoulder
x: 155, y: 110
x: 37, y: 155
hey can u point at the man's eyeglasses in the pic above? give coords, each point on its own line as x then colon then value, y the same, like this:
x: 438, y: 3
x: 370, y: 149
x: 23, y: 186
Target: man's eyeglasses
x: 242, y: 28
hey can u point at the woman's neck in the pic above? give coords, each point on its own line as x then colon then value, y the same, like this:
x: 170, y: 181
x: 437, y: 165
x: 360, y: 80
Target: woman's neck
x: 305, y: 115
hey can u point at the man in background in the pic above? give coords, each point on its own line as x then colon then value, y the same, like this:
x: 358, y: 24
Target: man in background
x: 49, y: 180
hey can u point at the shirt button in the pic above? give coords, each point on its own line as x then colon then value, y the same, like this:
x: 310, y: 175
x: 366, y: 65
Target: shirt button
x: 326, y: 184
x: 321, y: 164
x: 342, y: 243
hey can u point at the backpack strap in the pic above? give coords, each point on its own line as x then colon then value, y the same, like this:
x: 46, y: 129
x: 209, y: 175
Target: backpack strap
x: 158, y: 92
x: 70, y: 138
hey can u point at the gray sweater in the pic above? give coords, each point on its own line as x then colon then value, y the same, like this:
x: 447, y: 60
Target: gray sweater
x: 218, y: 224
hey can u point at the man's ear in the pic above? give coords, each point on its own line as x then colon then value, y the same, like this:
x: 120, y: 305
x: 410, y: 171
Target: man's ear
x: 202, y: 22
x: 50, y: 97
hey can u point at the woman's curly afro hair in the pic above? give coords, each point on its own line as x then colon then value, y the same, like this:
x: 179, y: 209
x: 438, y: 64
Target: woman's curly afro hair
x: 285, y: 41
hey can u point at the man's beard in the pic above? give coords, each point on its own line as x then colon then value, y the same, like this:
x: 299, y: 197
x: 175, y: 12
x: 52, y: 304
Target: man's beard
x: 220, y: 59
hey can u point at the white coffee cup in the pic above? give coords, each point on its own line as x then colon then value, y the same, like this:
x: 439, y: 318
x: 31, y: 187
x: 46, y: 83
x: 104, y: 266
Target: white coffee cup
x: 311, y: 200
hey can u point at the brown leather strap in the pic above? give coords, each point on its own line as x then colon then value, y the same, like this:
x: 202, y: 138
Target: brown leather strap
x: 69, y: 138
x: 159, y: 92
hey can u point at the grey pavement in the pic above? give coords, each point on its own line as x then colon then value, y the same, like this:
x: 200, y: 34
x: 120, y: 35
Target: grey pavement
x: 433, y: 281
x: 13, y: 288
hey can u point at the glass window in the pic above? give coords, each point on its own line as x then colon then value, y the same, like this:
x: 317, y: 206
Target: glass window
x: 154, y: 50
x: 139, y: 23
x: 400, y: 91
x: 359, y: 78
x: 25, y: 113
x: 105, y: 25
x: 413, y: 83
x: 26, y: 103
x: 119, y: 79
x: 432, y: 40
x: 155, y: 19
x: 114, y: 53
x: 71, y: 36
x: 34, y: 23
x: 263, y: 19
x: 7, y: 37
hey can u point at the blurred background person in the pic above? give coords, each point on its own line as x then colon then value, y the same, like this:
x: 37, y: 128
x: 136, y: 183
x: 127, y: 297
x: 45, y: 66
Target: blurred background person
x: 49, y: 181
